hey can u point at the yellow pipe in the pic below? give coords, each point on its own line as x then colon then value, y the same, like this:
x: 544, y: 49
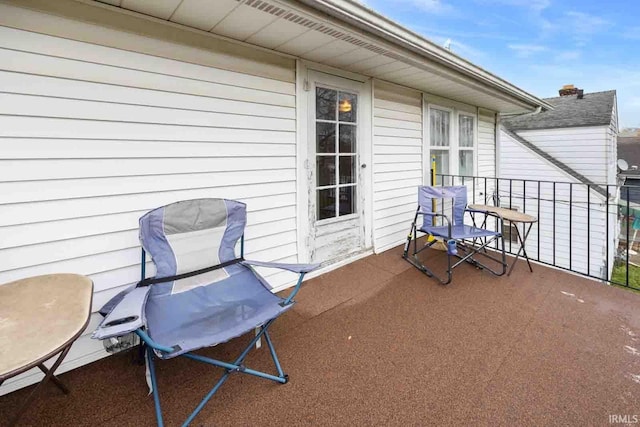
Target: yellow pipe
x: 430, y: 238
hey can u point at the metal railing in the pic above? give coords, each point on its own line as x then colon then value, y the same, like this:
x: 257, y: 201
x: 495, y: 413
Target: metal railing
x: 583, y: 228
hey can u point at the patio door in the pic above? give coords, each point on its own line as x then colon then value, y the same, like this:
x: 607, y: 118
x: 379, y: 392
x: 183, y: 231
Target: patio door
x: 336, y: 170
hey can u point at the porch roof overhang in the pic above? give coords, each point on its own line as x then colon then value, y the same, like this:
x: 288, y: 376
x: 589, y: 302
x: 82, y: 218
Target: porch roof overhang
x: 346, y: 35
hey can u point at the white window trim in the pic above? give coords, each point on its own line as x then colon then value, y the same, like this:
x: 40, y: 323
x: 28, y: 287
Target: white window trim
x: 473, y: 148
x: 454, y: 141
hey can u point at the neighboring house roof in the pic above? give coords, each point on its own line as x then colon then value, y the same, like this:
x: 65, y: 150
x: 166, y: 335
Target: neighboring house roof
x: 594, y: 109
x: 557, y: 163
x: 632, y: 189
x: 629, y: 150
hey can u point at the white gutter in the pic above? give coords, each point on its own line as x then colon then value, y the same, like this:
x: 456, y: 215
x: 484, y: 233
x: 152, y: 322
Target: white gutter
x: 367, y: 19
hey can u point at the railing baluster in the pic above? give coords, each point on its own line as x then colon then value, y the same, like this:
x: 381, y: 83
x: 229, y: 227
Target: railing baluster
x: 627, y: 223
x: 554, y: 223
x: 570, y: 222
x: 524, y: 196
x: 510, y: 207
x: 606, y: 259
x: 474, y: 189
x: 485, y: 190
x: 539, y: 219
x: 589, y: 228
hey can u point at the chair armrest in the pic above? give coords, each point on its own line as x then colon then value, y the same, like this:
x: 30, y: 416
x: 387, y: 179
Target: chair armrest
x: 126, y: 315
x: 295, y: 268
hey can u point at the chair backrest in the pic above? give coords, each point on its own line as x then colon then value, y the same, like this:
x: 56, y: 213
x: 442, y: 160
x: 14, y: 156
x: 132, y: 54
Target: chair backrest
x: 427, y: 194
x: 191, y: 235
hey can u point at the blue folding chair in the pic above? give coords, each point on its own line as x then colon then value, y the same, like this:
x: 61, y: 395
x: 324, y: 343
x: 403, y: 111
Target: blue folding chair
x: 464, y: 242
x: 202, y: 294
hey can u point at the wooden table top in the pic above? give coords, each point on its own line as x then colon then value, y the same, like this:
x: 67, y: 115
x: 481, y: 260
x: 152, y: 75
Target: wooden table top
x: 506, y: 214
x: 39, y: 316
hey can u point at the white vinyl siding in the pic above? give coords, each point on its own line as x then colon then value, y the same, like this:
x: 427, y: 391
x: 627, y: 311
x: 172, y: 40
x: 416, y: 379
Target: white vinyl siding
x: 92, y: 137
x: 518, y: 162
x: 397, y: 154
x: 565, y: 143
x: 486, y: 163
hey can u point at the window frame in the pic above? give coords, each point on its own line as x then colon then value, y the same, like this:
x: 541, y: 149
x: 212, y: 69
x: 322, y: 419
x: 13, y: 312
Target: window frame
x: 474, y: 146
x: 454, y: 148
x: 337, y: 186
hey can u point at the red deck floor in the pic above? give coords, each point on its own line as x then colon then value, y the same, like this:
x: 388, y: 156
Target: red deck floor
x: 378, y: 343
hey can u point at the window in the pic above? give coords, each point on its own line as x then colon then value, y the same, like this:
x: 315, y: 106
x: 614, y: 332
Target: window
x: 440, y: 138
x: 336, y: 145
x: 466, y: 144
x: 452, y: 141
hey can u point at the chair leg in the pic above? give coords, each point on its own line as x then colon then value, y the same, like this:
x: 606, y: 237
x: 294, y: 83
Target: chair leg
x: 236, y: 366
x: 274, y: 356
x: 154, y: 384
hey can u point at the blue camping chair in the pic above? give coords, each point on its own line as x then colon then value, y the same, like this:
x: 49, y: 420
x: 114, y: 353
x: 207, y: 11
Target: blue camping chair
x: 464, y: 242
x: 202, y: 294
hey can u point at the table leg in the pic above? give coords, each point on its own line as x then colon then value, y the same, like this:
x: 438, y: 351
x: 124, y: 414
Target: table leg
x: 522, y: 249
x: 55, y: 379
x: 47, y: 376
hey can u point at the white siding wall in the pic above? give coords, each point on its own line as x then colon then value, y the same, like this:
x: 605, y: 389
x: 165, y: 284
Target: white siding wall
x: 486, y: 144
x: 518, y: 162
x: 565, y: 143
x: 91, y: 137
x: 397, y: 154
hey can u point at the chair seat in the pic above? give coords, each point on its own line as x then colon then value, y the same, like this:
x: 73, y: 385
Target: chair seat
x: 458, y: 231
x: 213, y: 314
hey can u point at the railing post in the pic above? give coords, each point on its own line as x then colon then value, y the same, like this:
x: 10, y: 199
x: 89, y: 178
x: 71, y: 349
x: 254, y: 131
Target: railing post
x: 588, y: 228
x: 539, y: 219
x: 606, y: 259
x: 554, y: 223
x: 570, y: 223
x: 627, y: 223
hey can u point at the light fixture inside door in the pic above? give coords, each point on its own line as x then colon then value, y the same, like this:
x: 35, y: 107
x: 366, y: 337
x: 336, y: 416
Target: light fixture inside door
x: 345, y: 106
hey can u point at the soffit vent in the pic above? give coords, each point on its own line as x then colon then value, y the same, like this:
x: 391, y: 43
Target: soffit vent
x: 316, y: 26
x: 297, y: 19
x: 266, y: 7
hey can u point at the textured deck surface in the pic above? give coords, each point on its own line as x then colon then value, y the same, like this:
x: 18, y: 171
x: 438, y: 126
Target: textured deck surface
x: 378, y: 343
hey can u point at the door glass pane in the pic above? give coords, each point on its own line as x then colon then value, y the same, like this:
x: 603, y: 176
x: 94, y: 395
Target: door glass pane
x: 466, y: 162
x: 347, y: 170
x: 347, y: 107
x: 442, y: 162
x: 439, y: 128
x: 348, y: 138
x: 327, y: 203
x: 465, y: 130
x: 325, y: 137
x: 347, y: 200
x: 326, y: 170
x: 326, y: 103
x: 335, y: 163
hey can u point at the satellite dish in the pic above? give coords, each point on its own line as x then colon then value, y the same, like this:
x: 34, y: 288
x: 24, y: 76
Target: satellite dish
x: 623, y: 165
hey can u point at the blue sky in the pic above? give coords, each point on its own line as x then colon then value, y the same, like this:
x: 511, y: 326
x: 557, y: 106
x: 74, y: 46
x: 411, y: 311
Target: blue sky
x: 539, y: 45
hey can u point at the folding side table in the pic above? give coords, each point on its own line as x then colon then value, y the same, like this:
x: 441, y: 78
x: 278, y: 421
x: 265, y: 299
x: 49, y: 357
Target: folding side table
x: 40, y: 318
x: 515, y: 218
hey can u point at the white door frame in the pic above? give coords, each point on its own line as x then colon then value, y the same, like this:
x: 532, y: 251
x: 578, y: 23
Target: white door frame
x: 302, y: 153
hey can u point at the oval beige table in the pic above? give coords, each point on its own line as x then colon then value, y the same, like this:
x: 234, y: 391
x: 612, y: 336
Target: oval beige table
x: 514, y: 217
x: 41, y: 317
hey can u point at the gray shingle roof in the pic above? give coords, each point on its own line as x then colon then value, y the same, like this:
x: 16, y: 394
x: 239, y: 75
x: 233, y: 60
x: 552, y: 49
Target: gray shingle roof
x: 594, y: 109
x: 629, y: 150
